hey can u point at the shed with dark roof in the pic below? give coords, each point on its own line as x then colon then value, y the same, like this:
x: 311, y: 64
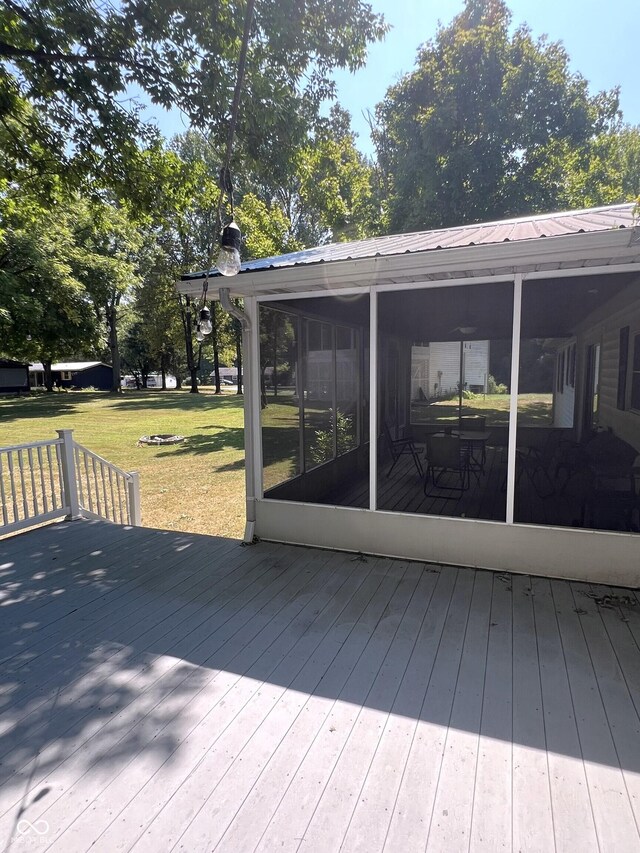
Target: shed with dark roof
x: 14, y: 376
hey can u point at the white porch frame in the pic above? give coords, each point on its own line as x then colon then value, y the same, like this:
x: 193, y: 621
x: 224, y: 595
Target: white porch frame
x: 460, y: 541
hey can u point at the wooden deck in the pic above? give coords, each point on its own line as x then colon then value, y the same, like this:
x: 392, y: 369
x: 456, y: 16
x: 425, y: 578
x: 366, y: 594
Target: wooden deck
x: 485, y: 498
x: 165, y: 691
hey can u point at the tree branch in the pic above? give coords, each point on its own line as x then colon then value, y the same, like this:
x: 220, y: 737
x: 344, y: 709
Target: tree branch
x: 44, y: 57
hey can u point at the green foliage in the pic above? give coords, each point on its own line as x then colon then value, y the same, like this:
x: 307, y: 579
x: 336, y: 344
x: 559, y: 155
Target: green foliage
x: 494, y: 387
x: 79, y: 63
x: 335, y: 184
x: 44, y: 314
x: 492, y: 123
x: 322, y: 448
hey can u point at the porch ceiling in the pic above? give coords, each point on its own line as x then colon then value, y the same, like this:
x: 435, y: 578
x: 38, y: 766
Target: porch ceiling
x: 552, y: 308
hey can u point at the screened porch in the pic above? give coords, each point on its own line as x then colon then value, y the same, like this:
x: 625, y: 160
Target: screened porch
x: 467, y: 377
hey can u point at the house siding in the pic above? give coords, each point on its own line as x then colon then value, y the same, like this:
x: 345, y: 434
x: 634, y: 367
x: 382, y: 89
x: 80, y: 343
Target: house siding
x: 100, y: 376
x: 14, y: 378
x: 603, y: 327
x: 564, y: 400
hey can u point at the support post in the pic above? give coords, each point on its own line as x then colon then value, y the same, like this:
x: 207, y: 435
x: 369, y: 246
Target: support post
x: 69, y: 480
x: 133, y: 495
x: 252, y: 430
x: 513, y: 401
x: 373, y: 398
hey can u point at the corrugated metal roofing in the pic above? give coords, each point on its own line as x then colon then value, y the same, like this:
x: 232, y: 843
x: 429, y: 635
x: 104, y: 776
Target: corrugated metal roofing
x: 70, y: 366
x: 509, y: 230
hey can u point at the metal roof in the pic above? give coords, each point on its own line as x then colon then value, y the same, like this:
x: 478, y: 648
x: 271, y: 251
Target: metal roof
x: 503, y: 231
x: 70, y: 366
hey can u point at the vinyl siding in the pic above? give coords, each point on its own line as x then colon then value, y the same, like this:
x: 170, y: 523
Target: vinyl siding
x: 603, y: 327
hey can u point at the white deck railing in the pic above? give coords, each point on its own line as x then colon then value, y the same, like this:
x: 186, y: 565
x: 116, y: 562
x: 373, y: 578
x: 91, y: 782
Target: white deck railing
x: 45, y: 480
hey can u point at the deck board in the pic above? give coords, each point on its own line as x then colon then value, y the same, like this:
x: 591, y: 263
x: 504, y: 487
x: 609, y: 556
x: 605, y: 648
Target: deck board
x: 171, y: 691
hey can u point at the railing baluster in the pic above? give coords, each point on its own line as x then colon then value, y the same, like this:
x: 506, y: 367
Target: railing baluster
x: 86, y: 471
x: 25, y: 505
x: 104, y: 490
x: 119, y: 483
x: 14, y: 494
x: 113, y: 503
x: 45, y: 504
x: 60, y: 475
x: 3, y: 497
x: 54, y: 497
x: 34, y: 496
x: 79, y: 475
x: 95, y: 480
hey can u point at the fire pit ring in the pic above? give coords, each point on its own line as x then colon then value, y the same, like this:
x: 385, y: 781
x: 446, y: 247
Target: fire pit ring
x: 160, y: 438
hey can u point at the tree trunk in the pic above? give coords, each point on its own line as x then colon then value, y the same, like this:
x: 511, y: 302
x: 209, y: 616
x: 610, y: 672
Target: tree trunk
x: 216, y: 351
x: 187, y: 326
x: 178, y: 381
x: 111, y: 312
x: 163, y: 372
x: 48, y: 377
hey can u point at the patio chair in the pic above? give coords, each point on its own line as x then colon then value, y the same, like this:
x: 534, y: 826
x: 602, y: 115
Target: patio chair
x: 541, y: 464
x: 475, y: 423
x: 608, y: 507
x: 446, y: 455
x: 399, y: 447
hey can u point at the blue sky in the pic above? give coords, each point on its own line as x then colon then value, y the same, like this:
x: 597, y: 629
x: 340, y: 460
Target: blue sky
x: 601, y: 39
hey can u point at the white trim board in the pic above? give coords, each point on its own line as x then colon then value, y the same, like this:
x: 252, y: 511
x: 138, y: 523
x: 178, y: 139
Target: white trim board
x: 592, y: 556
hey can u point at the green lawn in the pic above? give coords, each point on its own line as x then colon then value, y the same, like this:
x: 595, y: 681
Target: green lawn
x: 533, y: 410
x: 197, y: 486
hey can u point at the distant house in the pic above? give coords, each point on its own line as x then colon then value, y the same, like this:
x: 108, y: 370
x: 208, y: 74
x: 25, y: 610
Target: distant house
x: 14, y: 376
x: 154, y: 380
x: 437, y: 368
x: 226, y: 373
x: 74, y: 374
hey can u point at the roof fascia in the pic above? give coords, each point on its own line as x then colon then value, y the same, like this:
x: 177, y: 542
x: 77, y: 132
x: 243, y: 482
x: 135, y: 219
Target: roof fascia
x: 491, y: 258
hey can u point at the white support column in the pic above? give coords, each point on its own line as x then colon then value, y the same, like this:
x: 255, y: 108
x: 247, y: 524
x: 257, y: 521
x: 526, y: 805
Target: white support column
x: 133, y: 495
x: 252, y: 433
x: 373, y: 398
x: 513, y: 402
x: 69, y: 480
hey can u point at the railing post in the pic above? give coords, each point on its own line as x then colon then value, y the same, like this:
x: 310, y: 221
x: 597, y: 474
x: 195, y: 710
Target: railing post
x: 69, y: 481
x: 133, y: 494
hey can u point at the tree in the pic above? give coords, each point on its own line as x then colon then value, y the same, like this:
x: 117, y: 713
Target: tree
x: 335, y: 198
x: 137, y: 354
x: 44, y: 314
x: 78, y: 65
x: 485, y: 125
x: 105, y: 260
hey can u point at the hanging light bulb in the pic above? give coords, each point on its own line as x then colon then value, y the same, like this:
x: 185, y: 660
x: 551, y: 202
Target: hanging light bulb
x: 205, y: 321
x: 229, y: 262
x: 199, y: 335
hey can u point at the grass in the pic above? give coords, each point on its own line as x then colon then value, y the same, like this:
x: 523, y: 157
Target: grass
x: 533, y: 410
x: 197, y: 486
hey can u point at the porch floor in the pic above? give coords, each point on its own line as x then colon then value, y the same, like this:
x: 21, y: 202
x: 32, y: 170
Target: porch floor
x: 169, y: 691
x: 485, y: 498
